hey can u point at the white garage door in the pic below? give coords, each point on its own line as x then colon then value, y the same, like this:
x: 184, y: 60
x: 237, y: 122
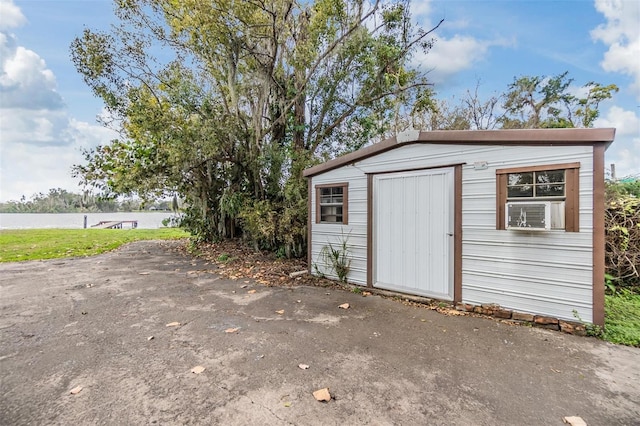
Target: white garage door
x: 413, y: 232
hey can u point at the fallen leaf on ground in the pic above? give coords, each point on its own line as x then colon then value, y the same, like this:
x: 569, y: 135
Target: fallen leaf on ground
x: 251, y: 291
x: 303, y: 366
x: 173, y: 324
x: 344, y: 306
x: 75, y: 390
x: 366, y: 293
x: 574, y: 421
x: 281, y: 311
x: 287, y: 404
x: 231, y: 330
x: 450, y: 312
x: 322, y: 395
x: 244, y: 286
x: 197, y: 369
x: 143, y: 273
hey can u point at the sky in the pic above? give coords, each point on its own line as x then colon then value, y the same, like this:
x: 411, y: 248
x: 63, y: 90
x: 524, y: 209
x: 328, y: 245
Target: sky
x: 48, y: 114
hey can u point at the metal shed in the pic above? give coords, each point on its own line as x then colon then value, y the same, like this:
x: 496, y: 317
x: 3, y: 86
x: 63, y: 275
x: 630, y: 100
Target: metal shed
x: 511, y: 217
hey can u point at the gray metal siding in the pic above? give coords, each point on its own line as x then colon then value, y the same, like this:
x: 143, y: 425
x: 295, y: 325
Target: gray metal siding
x: 548, y: 273
x: 323, y: 234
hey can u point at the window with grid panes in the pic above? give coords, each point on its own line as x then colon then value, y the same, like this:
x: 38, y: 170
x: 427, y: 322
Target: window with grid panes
x: 546, y: 185
x: 331, y: 203
x: 555, y: 183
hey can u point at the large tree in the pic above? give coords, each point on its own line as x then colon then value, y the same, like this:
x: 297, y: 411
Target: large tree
x: 546, y: 102
x: 225, y: 102
x: 528, y: 102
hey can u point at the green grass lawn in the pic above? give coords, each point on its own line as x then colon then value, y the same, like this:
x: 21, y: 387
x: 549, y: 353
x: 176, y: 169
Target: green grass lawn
x: 35, y: 244
x: 622, y: 320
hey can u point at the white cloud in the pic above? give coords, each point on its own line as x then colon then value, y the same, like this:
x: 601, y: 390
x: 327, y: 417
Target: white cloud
x: 420, y: 10
x: 12, y: 17
x: 25, y: 80
x: 625, y: 157
x: 449, y: 56
x: 26, y: 169
x: 39, y: 140
x: 578, y: 91
x: 621, y: 33
x: 625, y: 151
x: 627, y: 123
x: 34, y: 127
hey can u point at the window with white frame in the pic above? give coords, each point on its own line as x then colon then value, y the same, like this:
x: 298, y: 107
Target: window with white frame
x: 332, y: 203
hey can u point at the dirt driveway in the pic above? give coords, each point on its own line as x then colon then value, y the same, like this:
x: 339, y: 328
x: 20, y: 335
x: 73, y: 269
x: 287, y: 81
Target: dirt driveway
x: 88, y: 323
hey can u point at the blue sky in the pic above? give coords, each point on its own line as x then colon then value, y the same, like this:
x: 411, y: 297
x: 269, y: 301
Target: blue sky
x: 47, y: 114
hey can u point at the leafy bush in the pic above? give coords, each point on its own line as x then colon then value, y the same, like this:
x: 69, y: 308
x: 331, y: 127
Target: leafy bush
x: 259, y: 223
x: 279, y: 224
x: 622, y: 224
x: 628, y: 187
x: 276, y: 226
x: 201, y: 226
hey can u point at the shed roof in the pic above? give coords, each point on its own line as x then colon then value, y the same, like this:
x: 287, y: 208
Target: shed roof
x: 480, y: 137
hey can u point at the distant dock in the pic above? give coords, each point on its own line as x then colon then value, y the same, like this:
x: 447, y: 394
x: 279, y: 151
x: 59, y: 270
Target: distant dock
x: 115, y: 224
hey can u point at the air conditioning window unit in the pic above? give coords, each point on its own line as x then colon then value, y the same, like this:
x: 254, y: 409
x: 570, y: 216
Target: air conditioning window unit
x: 528, y: 215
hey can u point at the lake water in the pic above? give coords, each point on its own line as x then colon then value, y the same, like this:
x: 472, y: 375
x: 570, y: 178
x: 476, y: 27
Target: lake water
x: 146, y: 220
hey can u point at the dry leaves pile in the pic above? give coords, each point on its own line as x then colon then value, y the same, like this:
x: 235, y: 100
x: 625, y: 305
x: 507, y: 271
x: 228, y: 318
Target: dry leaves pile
x: 238, y: 261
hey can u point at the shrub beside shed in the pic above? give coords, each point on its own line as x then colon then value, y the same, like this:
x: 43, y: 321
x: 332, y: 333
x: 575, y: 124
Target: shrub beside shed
x: 507, y: 217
